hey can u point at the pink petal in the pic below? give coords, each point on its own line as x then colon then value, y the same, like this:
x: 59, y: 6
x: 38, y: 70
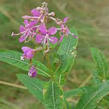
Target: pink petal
x: 61, y: 38
x: 34, y: 29
x: 32, y: 23
x: 52, y: 30
x: 39, y: 38
x: 32, y: 72
x: 26, y: 17
x: 25, y: 49
x: 22, y: 28
x: 65, y: 19
x: 22, y: 38
x: 62, y: 26
x: 29, y: 54
x: 42, y: 29
x: 53, y: 40
x: 26, y: 22
x: 67, y: 30
x: 35, y: 12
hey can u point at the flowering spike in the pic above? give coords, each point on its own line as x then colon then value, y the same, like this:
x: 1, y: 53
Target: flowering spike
x: 35, y: 29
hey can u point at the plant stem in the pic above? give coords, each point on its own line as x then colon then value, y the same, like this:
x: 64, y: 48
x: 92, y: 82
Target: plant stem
x: 86, y: 81
x: 12, y: 85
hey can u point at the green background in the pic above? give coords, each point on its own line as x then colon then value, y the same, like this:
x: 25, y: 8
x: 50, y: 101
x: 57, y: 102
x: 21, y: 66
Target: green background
x: 90, y: 19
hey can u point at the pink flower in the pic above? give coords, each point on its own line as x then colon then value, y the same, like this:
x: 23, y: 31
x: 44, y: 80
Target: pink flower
x: 46, y: 35
x: 35, y: 12
x: 65, y: 20
x: 64, y: 30
x: 35, y: 15
x: 28, y: 52
x: 38, y: 15
x: 61, y: 38
x: 27, y: 31
x: 32, y: 72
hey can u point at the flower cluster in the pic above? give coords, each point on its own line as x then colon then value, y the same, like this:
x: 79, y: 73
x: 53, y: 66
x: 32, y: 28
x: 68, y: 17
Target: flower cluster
x: 35, y: 29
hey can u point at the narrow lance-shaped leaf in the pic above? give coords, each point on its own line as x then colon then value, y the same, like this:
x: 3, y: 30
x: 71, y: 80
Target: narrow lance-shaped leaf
x: 96, y: 79
x: 75, y: 92
x: 53, y: 96
x: 13, y: 58
x: 35, y: 86
x: 67, y: 104
x: 90, y: 99
x: 67, y: 53
x: 101, y: 63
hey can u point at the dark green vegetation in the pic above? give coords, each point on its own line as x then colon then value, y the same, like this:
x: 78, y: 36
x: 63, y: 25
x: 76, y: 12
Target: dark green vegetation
x: 90, y: 18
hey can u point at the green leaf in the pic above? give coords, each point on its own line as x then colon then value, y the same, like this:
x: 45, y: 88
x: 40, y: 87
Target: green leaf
x: 96, y: 79
x: 75, y: 92
x: 101, y: 63
x: 53, y: 96
x: 67, y: 53
x: 90, y: 99
x: 67, y: 105
x: 13, y: 58
x: 35, y: 86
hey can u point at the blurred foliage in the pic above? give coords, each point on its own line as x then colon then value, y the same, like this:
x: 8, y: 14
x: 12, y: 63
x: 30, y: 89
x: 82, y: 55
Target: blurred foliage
x: 89, y: 17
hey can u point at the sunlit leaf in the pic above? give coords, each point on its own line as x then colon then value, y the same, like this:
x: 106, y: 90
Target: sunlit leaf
x: 75, y: 92
x: 101, y: 63
x: 34, y: 85
x: 53, y: 97
x: 90, y: 99
x: 13, y: 58
x: 67, y: 54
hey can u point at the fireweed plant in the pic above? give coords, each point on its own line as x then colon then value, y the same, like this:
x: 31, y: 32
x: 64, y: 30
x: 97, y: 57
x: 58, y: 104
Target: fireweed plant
x: 50, y: 90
